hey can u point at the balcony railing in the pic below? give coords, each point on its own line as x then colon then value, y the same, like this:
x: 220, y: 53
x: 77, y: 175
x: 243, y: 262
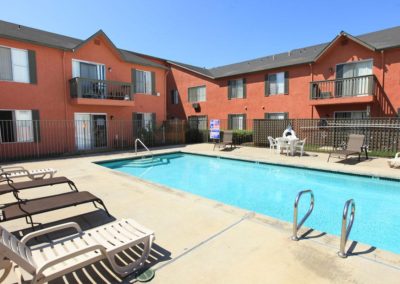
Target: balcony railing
x: 100, y: 89
x: 343, y: 88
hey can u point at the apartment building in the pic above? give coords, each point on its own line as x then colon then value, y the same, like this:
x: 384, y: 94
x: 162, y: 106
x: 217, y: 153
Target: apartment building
x: 349, y: 77
x: 47, y: 79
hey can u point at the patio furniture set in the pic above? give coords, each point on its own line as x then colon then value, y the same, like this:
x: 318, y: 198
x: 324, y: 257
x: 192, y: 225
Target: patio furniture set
x: 289, y: 143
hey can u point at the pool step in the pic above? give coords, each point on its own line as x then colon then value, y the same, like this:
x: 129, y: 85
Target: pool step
x: 147, y: 162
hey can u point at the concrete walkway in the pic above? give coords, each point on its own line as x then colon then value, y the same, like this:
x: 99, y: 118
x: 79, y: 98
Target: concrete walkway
x: 203, y: 241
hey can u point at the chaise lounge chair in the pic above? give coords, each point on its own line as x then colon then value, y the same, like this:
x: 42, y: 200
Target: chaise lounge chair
x: 28, y: 208
x: 48, y: 261
x: 19, y: 172
x: 395, y: 162
x: 227, y: 139
x: 355, y: 146
x: 9, y: 185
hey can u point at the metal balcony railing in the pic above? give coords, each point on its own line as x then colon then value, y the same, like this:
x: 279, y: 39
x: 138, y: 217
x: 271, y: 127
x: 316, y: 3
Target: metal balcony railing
x: 100, y: 89
x: 342, y: 88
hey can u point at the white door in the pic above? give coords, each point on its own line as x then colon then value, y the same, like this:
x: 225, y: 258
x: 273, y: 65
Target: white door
x: 83, y: 131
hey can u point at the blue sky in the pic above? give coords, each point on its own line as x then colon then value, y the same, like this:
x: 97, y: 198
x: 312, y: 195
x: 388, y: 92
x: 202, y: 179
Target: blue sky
x: 206, y: 33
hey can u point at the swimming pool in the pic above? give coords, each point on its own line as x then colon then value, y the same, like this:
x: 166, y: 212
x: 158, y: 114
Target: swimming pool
x: 271, y: 190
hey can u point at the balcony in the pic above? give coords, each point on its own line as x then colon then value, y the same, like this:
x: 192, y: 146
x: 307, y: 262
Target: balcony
x: 359, y: 89
x: 86, y: 91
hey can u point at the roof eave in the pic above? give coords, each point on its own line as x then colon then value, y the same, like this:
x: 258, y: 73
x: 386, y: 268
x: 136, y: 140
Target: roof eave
x: 35, y: 42
x: 191, y: 70
x: 341, y: 34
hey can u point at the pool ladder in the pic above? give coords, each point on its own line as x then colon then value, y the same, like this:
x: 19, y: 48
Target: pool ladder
x: 346, y: 227
x: 144, y: 146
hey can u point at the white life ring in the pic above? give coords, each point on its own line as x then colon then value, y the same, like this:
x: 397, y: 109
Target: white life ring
x: 289, y: 132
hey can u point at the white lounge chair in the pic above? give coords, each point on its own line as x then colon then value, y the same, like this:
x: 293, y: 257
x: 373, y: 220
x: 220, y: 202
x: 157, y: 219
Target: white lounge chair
x: 300, y: 146
x: 395, y: 162
x: 272, y: 143
x: 49, y: 261
x: 19, y: 172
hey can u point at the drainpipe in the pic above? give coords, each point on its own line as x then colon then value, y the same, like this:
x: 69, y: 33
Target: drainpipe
x: 383, y: 68
x: 312, y: 79
x: 166, y: 93
x: 64, y: 87
x: 65, y: 98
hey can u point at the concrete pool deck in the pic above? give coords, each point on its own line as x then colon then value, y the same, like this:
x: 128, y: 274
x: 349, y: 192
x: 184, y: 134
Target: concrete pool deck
x: 204, y: 241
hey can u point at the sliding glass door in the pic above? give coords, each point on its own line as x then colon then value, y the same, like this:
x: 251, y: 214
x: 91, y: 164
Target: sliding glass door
x: 353, y: 80
x: 90, y: 131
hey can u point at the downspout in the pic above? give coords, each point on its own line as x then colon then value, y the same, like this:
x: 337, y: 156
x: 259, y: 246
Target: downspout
x: 64, y: 87
x: 383, y: 68
x: 65, y: 99
x: 166, y: 93
x: 312, y: 79
x: 383, y: 77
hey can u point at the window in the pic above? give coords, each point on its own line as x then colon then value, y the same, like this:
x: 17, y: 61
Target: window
x: 197, y: 94
x: 174, y: 97
x: 144, y: 120
x: 277, y: 83
x: 144, y: 82
x: 198, y: 122
x: 18, y: 126
x: 237, y: 89
x: 88, y: 70
x: 236, y: 121
x: 14, y: 65
x: 277, y: 115
x: 350, y: 114
x: 356, y: 78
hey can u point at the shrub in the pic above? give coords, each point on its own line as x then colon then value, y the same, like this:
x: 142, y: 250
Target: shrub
x: 242, y: 136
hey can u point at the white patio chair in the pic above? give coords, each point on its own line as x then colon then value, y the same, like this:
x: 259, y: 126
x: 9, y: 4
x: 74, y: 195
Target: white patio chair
x: 282, y: 144
x: 272, y: 143
x: 51, y: 260
x: 395, y: 162
x: 300, y: 146
x: 19, y: 172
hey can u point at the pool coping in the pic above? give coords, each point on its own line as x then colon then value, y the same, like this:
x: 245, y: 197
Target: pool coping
x: 330, y: 241
x: 250, y: 160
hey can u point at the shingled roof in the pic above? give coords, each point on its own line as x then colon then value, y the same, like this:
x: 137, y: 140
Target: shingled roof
x: 388, y: 38
x: 40, y: 37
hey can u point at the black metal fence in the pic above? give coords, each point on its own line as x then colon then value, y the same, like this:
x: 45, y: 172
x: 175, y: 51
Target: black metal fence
x: 40, y: 139
x: 382, y: 135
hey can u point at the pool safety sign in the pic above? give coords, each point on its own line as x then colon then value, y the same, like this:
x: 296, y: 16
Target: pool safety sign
x: 214, y: 129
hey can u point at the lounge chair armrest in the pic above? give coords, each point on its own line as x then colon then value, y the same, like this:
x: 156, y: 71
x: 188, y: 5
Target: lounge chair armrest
x: 12, y: 168
x: 65, y: 257
x: 45, y: 231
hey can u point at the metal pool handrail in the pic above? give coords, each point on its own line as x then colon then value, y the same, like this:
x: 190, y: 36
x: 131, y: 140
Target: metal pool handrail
x: 140, y: 141
x: 346, y: 228
x: 296, y: 226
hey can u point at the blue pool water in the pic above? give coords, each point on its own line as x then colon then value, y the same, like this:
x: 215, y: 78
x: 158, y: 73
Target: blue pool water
x: 271, y: 190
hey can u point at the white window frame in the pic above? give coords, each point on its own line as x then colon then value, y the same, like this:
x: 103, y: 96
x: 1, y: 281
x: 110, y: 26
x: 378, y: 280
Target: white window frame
x: 235, y: 90
x: 197, y: 94
x: 147, y: 82
x: 241, y: 121
x: 101, y: 68
x: 21, y: 134
x: 277, y: 114
x: 282, y: 84
x: 13, y: 64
